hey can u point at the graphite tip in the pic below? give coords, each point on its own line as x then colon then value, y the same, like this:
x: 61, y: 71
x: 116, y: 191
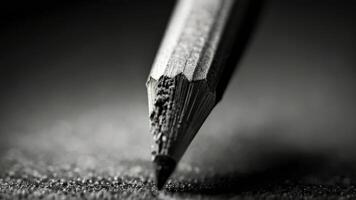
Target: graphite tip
x: 164, y: 166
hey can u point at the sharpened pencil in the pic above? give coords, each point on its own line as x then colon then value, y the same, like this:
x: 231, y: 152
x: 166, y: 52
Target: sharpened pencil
x: 200, y: 49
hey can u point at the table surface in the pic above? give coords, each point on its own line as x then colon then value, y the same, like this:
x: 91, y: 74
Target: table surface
x: 26, y: 176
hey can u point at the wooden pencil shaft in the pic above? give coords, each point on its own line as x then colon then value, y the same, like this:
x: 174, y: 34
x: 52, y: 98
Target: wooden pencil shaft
x: 201, y: 37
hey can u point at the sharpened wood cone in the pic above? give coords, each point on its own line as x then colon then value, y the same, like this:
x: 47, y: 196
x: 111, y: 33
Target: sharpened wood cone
x: 165, y: 166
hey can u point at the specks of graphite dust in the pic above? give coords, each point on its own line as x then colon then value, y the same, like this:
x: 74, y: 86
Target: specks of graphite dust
x: 162, y: 115
x: 26, y: 177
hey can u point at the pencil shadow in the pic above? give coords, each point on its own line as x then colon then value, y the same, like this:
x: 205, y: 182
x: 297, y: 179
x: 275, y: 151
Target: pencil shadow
x: 284, y: 169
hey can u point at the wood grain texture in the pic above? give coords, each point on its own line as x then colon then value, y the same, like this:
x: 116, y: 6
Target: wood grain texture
x: 192, y: 39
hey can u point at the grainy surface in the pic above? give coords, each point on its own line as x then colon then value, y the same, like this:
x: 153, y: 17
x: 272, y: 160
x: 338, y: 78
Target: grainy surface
x: 25, y: 176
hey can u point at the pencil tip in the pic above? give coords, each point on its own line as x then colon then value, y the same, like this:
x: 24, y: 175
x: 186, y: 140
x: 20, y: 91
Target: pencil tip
x: 165, y: 166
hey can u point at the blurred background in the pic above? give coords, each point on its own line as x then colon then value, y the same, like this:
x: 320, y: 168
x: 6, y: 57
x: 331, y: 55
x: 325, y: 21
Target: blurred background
x: 72, y: 83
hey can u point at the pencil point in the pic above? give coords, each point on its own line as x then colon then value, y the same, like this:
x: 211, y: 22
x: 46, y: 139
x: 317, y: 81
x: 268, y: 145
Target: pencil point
x: 165, y: 166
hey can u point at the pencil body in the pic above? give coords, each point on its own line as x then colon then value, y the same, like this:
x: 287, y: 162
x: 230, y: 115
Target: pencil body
x: 201, y: 47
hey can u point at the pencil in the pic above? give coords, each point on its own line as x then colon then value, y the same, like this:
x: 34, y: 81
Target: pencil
x: 201, y: 47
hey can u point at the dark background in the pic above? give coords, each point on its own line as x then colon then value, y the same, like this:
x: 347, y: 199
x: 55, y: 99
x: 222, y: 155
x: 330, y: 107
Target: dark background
x: 72, y: 82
